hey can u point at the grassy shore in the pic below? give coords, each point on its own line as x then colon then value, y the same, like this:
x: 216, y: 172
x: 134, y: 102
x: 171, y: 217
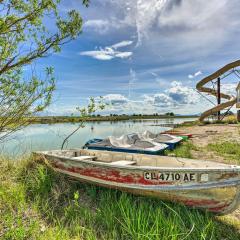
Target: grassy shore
x: 232, y: 119
x: 75, y: 119
x: 230, y: 151
x: 38, y: 203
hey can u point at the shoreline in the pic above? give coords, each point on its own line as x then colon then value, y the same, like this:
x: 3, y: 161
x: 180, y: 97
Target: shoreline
x: 69, y: 119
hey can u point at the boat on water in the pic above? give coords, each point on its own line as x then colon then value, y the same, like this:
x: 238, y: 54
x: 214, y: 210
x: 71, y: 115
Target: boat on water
x: 196, y: 183
x: 127, y: 144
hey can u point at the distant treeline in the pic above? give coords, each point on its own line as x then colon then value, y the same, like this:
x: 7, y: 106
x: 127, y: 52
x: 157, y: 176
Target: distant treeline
x: 111, y: 117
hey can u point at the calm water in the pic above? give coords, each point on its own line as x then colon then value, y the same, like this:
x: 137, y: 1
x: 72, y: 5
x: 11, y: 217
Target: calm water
x: 46, y: 137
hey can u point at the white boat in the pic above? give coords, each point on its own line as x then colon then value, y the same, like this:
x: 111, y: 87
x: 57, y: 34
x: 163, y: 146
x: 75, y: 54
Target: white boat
x: 170, y: 140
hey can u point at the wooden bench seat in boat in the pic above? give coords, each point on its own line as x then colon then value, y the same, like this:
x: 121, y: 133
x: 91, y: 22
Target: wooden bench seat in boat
x: 108, y: 157
x: 85, y: 158
x: 123, y: 163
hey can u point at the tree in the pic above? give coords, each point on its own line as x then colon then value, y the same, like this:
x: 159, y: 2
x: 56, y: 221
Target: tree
x: 170, y: 114
x: 85, y: 113
x: 25, y: 37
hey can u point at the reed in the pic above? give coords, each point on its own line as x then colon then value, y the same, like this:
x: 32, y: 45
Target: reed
x: 38, y: 203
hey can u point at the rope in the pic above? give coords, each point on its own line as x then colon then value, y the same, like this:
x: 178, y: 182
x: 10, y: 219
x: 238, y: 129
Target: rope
x: 224, y: 115
x: 204, y: 97
x: 230, y: 72
x: 236, y: 72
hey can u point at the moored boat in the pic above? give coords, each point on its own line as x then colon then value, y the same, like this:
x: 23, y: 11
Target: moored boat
x: 178, y: 133
x: 195, y: 183
x: 127, y: 144
x: 170, y: 140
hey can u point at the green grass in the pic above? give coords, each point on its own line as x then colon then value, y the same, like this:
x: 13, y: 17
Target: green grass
x: 230, y: 150
x: 38, y: 203
x: 183, y: 150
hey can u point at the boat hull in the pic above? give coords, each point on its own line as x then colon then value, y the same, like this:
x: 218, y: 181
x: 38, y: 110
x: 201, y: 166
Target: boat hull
x: 124, y: 150
x: 219, y: 195
x: 220, y: 200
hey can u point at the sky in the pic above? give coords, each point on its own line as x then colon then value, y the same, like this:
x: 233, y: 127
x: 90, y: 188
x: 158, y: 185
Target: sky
x: 145, y: 56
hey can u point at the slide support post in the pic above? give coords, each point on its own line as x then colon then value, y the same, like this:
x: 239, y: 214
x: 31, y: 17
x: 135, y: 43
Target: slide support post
x: 219, y: 96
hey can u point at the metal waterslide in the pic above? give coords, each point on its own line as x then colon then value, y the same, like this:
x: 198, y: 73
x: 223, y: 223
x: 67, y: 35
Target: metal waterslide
x: 231, y: 100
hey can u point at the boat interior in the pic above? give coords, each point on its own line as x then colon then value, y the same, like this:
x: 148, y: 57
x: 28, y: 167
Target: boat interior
x: 132, y: 159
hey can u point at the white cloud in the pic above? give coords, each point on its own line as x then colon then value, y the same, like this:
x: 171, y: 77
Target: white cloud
x: 132, y: 81
x: 176, y: 95
x: 115, y: 99
x: 109, y: 52
x: 162, y: 100
x: 104, y: 25
x: 100, y: 54
x: 154, y: 74
x: 123, y: 54
x: 229, y: 88
x: 99, y: 25
x: 133, y: 76
x: 177, y: 98
x: 121, y: 44
x: 181, y: 94
x: 191, y: 76
x: 183, y: 24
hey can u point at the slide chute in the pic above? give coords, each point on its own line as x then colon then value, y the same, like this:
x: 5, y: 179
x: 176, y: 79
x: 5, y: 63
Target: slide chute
x: 231, y: 100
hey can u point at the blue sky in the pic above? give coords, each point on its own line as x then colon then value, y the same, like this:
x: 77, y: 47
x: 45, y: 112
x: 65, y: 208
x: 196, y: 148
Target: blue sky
x: 145, y: 56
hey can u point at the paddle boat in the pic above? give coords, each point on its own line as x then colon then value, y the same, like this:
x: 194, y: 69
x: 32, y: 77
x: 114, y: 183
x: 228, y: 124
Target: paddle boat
x: 178, y: 133
x: 126, y: 144
x: 200, y: 184
x: 170, y: 140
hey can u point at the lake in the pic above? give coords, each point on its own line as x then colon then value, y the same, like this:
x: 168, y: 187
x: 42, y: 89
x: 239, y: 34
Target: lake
x: 50, y: 136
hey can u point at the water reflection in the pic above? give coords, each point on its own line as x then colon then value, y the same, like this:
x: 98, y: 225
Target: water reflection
x: 46, y: 137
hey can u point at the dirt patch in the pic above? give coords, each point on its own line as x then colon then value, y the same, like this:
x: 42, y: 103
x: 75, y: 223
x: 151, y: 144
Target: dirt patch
x: 203, y: 135
x: 206, y: 134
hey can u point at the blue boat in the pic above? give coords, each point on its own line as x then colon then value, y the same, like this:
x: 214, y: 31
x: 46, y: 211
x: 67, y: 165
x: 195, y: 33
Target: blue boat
x: 126, y: 144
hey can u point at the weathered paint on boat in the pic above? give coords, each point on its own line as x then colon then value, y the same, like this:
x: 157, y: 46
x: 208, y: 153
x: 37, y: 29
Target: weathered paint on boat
x: 214, y: 186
